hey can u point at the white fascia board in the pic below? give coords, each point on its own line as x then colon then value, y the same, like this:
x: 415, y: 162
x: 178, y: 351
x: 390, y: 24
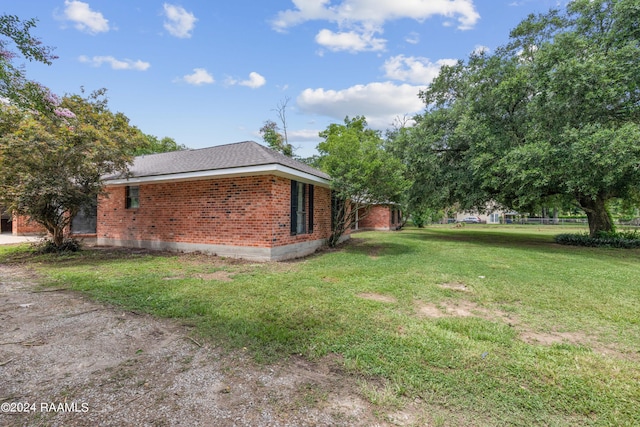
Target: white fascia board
x: 270, y: 169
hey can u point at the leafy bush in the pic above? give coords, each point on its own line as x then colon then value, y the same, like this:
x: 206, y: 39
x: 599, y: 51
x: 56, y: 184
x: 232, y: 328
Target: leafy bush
x: 47, y: 246
x: 419, y: 219
x: 615, y: 239
x: 422, y: 217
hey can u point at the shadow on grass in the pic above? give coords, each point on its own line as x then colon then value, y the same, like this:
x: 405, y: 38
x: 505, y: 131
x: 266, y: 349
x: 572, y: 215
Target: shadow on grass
x: 482, y: 237
x: 517, y: 241
x: 376, y: 248
x: 25, y: 255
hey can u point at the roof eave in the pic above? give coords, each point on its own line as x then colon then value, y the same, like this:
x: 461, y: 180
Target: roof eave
x: 268, y: 169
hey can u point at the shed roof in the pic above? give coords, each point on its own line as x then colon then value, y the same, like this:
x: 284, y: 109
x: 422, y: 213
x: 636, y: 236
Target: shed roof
x: 236, y: 157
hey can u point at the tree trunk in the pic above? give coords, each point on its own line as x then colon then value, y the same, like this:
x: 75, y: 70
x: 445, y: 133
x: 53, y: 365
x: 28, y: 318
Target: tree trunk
x: 58, y: 237
x: 57, y: 233
x: 597, y: 214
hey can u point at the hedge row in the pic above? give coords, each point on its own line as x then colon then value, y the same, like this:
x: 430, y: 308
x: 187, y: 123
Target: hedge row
x: 621, y: 239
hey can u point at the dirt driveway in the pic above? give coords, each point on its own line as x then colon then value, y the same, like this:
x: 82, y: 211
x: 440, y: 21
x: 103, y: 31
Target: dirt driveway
x: 68, y: 361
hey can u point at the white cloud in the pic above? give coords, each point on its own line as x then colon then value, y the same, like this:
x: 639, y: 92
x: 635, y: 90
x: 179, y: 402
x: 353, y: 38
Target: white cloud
x: 303, y: 135
x: 376, y: 12
x: 116, y: 64
x: 412, y: 38
x: 359, y: 21
x: 297, y: 135
x: 350, y: 41
x: 200, y: 76
x: 84, y: 18
x: 179, y: 23
x: 254, y: 81
x: 380, y: 103
x: 556, y: 4
x: 413, y: 69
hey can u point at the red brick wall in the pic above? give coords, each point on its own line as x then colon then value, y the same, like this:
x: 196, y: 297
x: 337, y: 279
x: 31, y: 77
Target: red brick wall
x: 379, y: 218
x: 280, y: 212
x: 22, y: 226
x: 245, y: 211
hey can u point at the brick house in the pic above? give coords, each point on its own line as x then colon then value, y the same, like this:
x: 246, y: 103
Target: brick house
x: 381, y: 217
x: 19, y: 225
x: 239, y: 200
x: 82, y: 225
x: 23, y: 226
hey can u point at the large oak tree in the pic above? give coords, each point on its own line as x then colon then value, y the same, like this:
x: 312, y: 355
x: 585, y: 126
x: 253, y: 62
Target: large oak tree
x: 554, y: 113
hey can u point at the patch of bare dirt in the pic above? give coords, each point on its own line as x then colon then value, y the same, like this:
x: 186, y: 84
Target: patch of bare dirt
x: 430, y: 310
x: 221, y: 275
x: 577, y: 338
x: 462, y: 308
x: 455, y: 286
x: 458, y: 308
x: 80, y: 363
x: 532, y: 337
x: 378, y: 297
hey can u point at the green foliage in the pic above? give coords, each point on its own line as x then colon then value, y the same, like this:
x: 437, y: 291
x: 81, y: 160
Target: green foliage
x: 313, y: 161
x: 51, y: 165
x: 361, y: 169
x: 275, y: 140
x: 154, y: 145
x: 14, y: 85
x: 615, y: 239
x: 555, y: 113
x: 424, y: 216
x: 626, y: 209
x: 419, y: 219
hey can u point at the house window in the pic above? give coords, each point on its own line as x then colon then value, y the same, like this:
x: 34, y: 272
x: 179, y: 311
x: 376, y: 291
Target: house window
x: 85, y: 221
x: 301, y: 208
x: 133, y: 197
x: 301, y: 212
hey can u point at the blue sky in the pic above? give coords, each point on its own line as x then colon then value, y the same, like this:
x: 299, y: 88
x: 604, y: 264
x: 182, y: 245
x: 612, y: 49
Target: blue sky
x: 211, y: 72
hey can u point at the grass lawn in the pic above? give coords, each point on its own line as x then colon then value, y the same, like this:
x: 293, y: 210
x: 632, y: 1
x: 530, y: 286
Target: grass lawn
x: 496, y: 323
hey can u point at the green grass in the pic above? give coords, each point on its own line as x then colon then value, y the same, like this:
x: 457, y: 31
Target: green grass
x: 518, y: 283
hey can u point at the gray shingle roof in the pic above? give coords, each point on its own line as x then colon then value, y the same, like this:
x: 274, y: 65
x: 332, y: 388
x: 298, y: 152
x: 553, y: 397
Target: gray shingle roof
x: 236, y: 155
